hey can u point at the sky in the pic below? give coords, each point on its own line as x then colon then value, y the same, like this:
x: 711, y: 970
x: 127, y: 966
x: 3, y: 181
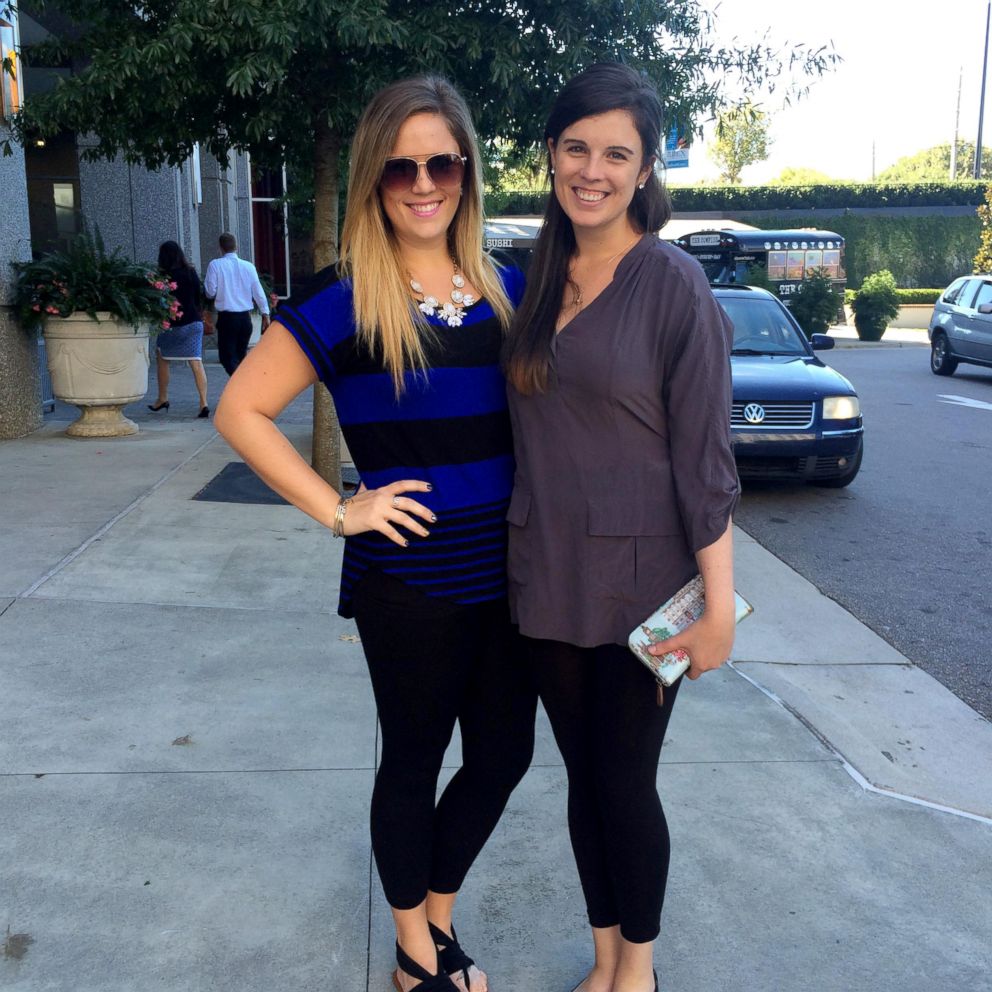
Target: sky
x: 897, y: 86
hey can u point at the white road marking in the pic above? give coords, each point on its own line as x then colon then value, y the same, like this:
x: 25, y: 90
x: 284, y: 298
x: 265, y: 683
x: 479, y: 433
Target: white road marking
x: 965, y: 401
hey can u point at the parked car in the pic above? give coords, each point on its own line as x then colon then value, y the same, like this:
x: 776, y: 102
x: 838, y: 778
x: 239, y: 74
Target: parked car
x: 793, y: 418
x: 961, y: 326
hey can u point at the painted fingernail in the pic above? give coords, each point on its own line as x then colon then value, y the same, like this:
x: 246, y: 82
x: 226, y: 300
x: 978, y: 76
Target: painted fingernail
x: 406, y: 544
x: 430, y: 488
x: 433, y: 519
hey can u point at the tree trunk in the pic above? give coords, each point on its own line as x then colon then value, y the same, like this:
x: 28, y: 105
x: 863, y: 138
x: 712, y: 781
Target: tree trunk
x: 326, y: 450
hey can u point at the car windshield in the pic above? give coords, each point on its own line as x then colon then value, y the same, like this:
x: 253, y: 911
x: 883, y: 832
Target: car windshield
x: 761, y: 327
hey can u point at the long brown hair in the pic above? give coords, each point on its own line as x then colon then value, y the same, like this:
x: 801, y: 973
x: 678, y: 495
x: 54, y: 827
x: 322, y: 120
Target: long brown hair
x: 388, y: 322
x: 597, y: 90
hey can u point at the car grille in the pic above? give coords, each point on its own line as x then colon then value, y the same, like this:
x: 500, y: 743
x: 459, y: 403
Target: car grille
x: 786, y: 415
x: 770, y: 468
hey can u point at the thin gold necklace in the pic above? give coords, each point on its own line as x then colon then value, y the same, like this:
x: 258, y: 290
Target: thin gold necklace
x: 576, y: 302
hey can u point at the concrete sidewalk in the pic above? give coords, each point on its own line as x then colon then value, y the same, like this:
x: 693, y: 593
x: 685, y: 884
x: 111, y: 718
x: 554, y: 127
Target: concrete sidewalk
x: 189, y: 744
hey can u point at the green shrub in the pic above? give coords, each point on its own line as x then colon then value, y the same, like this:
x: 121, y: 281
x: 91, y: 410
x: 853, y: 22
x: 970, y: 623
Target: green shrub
x: 908, y: 296
x: 816, y: 303
x: 874, y: 305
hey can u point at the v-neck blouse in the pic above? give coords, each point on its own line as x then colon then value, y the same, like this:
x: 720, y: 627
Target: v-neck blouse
x: 624, y: 464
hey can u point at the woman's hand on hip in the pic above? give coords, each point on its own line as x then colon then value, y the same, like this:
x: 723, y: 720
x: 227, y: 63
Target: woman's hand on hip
x: 707, y: 642
x: 387, y: 508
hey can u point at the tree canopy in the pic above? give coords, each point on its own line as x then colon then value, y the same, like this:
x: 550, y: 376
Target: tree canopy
x: 934, y: 165
x: 741, y: 140
x: 801, y: 176
x: 287, y: 79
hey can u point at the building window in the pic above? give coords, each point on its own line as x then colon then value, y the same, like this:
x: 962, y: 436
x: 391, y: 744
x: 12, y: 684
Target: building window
x: 10, y: 97
x: 52, y: 169
x: 270, y: 227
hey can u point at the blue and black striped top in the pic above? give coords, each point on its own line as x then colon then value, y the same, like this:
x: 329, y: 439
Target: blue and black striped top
x: 450, y: 427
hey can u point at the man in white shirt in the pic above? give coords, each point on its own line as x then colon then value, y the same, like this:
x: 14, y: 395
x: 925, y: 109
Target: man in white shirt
x: 233, y: 285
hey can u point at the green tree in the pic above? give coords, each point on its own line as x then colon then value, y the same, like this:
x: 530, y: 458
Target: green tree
x: 983, y: 257
x: 934, y: 165
x: 801, y: 176
x: 741, y: 140
x: 287, y: 79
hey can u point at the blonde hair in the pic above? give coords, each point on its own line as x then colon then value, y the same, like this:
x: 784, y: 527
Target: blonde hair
x: 388, y: 322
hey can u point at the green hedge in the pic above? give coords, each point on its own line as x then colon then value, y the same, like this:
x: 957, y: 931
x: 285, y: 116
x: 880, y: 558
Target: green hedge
x: 918, y: 251
x: 906, y: 296
x: 961, y: 194
x: 693, y: 198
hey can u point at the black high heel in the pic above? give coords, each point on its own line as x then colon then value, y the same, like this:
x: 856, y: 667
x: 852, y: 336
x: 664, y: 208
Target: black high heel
x: 453, y: 958
x: 158, y: 406
x: 204, y: 412
x: 428, y: 982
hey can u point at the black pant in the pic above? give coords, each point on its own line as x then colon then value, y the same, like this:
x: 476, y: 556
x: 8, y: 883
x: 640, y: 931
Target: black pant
x: 433, y: 662
x: 602, y: 704
x: 233, y: 335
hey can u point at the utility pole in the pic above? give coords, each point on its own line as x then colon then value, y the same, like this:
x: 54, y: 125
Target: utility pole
x: 872, y: 159
x: 957, y: 125
x: 981, y: 105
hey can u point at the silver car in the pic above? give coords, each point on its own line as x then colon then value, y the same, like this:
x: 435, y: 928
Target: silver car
x: 961, y: 327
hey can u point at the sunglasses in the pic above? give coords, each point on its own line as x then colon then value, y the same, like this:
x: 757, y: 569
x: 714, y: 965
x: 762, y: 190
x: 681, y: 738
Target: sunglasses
x: 445, y: 170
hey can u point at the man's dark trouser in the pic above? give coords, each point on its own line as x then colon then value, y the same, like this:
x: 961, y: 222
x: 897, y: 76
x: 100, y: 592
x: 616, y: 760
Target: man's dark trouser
x: 233, y: 335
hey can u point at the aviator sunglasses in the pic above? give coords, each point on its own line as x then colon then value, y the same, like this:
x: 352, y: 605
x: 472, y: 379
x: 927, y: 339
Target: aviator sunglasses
x: 444, y: 170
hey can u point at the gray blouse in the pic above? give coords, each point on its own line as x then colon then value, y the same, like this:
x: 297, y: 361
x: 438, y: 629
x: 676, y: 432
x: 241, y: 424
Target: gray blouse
x: 624, y: 465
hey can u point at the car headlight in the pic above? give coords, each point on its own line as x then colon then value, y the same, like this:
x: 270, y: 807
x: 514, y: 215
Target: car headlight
x: 841, y: 408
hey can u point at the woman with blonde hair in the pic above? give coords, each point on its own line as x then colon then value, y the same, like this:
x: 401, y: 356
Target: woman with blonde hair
x: 406, y: 332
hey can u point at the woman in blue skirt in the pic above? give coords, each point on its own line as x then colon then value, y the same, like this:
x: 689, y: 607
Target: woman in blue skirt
x: 183, y: 340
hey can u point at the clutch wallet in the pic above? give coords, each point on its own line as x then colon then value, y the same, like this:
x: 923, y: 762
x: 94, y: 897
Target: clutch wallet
x: 684, y: 608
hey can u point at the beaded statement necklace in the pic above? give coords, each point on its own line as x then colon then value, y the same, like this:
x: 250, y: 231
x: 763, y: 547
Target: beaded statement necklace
x: 451, y: 313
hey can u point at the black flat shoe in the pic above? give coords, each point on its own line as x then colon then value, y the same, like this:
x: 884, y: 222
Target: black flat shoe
x: 155, y: 407
x: 427, y: 982
x: 453, y: 958
x: 204, y: 412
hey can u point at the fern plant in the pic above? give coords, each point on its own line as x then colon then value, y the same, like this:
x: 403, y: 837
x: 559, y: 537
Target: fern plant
x: 85, y: 277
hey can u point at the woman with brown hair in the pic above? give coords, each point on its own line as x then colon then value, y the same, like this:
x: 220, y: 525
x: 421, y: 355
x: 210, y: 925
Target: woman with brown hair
x: 406, y: 332
x: 182, y: 340
x: 618, y: 361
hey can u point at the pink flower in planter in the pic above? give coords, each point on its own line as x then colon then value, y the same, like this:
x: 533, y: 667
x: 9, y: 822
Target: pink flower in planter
x: 173, y: 285
x: 36, y: 308
x: 51, y: 309
x: 159, y: 284
x: 165, y: 325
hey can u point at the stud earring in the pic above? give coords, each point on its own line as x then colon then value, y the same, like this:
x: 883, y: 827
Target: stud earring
x: 552, y: 170
x: 640, y: 185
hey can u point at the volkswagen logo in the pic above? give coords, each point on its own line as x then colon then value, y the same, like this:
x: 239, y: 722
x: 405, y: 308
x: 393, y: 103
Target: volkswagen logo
x: 754, y: 413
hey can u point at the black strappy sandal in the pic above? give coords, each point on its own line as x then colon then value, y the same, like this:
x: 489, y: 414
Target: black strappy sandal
x: 453, y: 958
x: 428, y: 982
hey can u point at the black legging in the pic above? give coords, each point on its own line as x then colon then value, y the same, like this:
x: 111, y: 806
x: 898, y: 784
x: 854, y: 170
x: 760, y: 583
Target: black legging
x: 433, y: 662
x: 602, y: 704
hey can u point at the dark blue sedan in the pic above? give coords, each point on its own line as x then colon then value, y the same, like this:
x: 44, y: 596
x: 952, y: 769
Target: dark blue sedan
x: 793, y: 418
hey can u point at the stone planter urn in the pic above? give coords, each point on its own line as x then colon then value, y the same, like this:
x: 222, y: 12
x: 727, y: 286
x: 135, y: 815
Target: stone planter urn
x: 100, y: 366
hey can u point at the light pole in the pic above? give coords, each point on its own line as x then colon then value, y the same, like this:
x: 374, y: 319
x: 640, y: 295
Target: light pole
x: 981, y: 103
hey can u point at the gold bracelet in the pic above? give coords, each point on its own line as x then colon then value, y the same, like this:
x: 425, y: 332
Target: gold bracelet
x: 337, y: 528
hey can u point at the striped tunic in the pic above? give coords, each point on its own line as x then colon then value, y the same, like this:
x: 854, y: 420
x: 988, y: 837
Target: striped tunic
x: 450, y: 427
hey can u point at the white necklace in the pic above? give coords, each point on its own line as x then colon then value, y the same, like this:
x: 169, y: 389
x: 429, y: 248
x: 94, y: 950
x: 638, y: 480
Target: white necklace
x: 451, y: 313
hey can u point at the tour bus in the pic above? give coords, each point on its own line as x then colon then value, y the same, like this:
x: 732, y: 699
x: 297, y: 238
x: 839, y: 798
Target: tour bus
x: 786, y: 256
